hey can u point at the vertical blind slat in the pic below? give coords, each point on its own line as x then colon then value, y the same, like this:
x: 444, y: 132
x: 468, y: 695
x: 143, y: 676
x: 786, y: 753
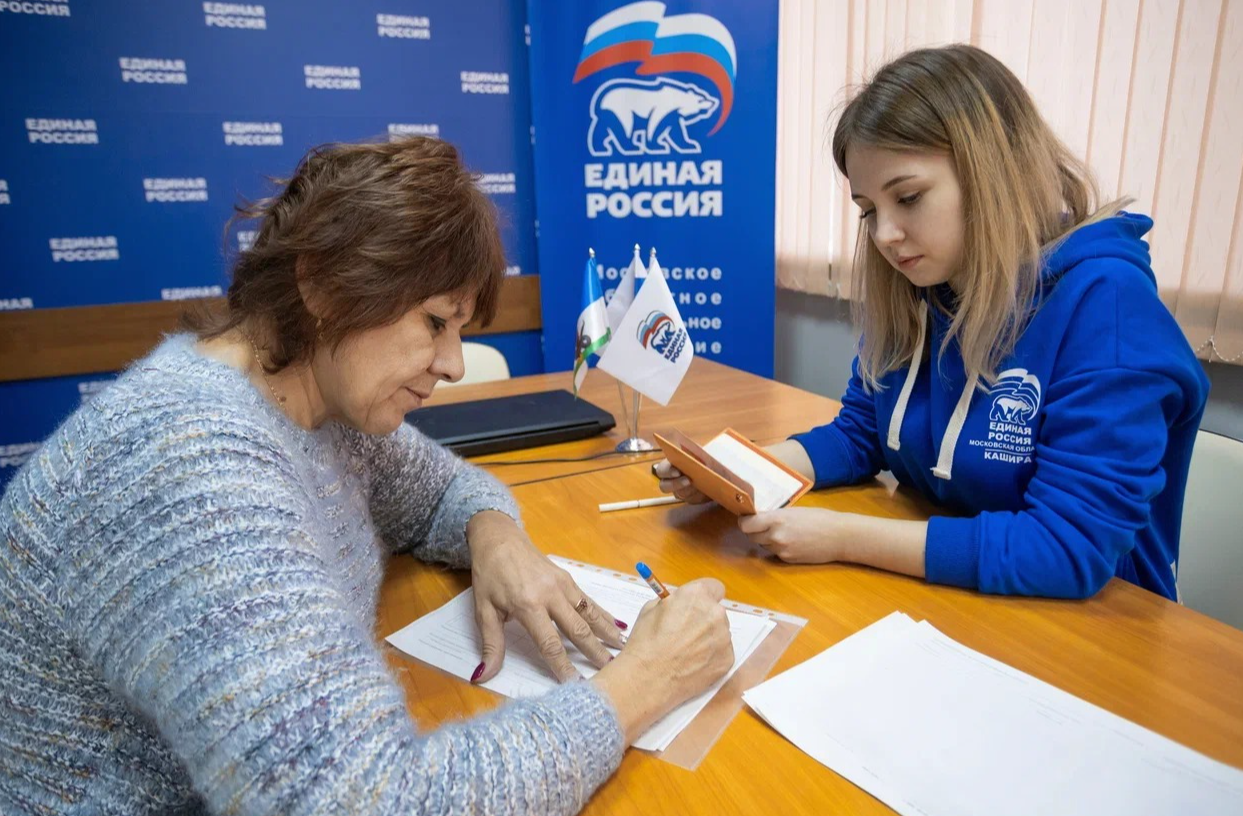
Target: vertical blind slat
x: 1221, y: 163
x: 1175, y: 194
x: 1113, y: 81
x: 1078, y: 69
x: 788, y: 160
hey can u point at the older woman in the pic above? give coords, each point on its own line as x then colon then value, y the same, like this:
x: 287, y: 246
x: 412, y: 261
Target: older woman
x: 189, y: 566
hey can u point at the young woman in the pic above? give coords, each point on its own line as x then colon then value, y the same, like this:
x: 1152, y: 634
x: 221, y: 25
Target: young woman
x: 1016, y: 365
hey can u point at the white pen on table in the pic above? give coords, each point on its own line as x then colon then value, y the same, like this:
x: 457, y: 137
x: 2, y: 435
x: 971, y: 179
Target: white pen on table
x: 609, y: 507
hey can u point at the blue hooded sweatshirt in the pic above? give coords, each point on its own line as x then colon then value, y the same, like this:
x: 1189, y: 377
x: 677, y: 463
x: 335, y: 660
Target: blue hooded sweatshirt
x: 1071, y: 468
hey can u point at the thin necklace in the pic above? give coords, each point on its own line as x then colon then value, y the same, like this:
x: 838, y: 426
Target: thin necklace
x: 264, y: 372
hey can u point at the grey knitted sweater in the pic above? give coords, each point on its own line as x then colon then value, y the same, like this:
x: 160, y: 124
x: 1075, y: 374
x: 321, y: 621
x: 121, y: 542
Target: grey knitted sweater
x: 188, y: 584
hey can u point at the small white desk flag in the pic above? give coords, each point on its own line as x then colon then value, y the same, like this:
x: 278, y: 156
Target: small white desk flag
x: 651, y: 350
x: 623, y: 295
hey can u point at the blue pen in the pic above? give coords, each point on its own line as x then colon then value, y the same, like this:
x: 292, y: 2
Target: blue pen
x: 652, y: 580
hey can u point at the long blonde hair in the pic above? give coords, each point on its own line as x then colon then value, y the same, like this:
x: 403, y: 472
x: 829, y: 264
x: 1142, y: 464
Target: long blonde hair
x: 1022, y: 192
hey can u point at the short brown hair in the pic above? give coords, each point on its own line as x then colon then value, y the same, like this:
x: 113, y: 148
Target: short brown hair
x: 373, y: 230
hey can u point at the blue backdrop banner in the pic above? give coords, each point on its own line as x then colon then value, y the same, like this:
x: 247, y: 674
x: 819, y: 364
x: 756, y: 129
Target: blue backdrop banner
x: 129, y: 129
x: 655, y: 123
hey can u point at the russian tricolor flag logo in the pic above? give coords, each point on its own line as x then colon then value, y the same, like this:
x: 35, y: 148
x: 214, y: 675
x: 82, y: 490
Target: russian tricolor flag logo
x: 687, y: 43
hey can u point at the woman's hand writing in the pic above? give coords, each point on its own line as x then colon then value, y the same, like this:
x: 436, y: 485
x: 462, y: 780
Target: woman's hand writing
x: 512, y: 579
x: 678, y: 648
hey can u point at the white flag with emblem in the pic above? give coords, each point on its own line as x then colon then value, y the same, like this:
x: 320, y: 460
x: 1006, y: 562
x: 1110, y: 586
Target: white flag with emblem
x: 651, y: 350
x: 623, y: 295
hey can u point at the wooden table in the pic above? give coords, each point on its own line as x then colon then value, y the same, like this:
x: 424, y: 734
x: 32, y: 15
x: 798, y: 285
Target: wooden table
x: 1127, y: 650
x: 711, y: 397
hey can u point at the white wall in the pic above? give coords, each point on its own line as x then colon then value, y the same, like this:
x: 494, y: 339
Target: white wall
x: 814, y: 345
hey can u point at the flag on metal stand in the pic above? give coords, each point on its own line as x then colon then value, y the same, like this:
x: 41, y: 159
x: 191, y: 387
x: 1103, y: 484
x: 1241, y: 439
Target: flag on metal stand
x: 623, y: 295
x: 593, y: 322
x: 651, y: 350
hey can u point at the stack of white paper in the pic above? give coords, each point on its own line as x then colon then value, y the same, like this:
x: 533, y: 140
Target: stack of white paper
x: 931, y: 727
x: 449, y: 640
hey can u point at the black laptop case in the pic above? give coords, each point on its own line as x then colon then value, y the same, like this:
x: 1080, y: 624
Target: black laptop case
x: 509, y: 423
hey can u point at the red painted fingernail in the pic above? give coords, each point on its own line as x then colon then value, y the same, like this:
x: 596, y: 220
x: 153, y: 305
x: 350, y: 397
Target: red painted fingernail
x: 478, y: 671
x: 620, y: 624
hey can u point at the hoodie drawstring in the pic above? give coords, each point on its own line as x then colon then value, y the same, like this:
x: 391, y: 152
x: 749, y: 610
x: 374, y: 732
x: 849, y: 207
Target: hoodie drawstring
x: 945, y: 462
x: 899, y: 411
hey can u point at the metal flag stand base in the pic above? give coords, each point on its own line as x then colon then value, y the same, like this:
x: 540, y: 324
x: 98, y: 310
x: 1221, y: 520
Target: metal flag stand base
x: 635, y: 443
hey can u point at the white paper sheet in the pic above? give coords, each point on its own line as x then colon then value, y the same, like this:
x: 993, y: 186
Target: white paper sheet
x: 933, y: 728
x: 449, y: 640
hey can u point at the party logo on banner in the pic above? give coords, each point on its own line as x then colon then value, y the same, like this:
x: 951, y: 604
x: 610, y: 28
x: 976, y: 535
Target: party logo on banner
x: 44, y: 8
x: 498, y: 183
x: 235, y: 15
x: 401, y: 130
x: 62, y: 131
x: 157, y: 71
x: 693, y: 60
x: 253, y: 134
x: 174, y: 190
x: 333, y: 77
x: 485, y: 82
x: 403, y: 26
x: 87, y: 248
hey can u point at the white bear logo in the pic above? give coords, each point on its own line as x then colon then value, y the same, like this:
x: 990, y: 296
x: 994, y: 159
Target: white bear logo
x: 1016, y: 397
x: 665, y: 106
